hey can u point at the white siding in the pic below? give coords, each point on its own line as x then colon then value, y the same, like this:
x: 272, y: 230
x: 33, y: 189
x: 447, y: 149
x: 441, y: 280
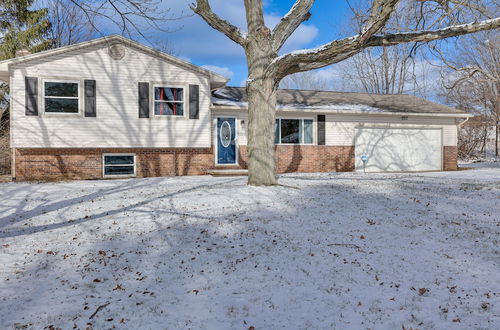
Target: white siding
x: 117, y: 123
x: 340, y: 128
x: 242, y: 117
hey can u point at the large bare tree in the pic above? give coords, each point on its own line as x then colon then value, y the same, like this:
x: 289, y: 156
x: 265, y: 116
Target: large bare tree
x: 266, y: 67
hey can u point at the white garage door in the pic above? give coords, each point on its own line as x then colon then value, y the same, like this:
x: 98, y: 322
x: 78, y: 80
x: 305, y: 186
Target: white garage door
x: 392, y: 150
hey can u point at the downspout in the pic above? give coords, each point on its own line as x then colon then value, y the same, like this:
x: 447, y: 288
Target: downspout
x: 13, y: 159
x: 463, y: 122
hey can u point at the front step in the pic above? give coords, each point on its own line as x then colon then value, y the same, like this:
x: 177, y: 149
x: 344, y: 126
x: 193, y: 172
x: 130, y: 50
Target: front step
x: 228, y: 172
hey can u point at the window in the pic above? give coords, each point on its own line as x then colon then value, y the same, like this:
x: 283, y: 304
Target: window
x: 294, y: 131
x: 169, y: 101
x: 119, y: 165
x: 61, y: 96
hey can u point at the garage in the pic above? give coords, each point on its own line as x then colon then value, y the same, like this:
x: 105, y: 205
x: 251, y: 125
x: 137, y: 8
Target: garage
x: 398, y: 149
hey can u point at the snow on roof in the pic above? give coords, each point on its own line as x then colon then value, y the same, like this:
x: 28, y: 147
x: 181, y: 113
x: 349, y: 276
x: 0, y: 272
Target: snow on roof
x: 338, y: 101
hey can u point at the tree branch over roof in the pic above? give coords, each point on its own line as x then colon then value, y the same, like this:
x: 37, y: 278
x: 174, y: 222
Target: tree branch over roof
x: 391, y: 39
x: 202, y: 8
x: 339, y: 50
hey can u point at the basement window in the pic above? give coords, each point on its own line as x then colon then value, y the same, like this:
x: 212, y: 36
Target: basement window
x: 61, y: 96
x: 294, y: 131
x: 118, y: 165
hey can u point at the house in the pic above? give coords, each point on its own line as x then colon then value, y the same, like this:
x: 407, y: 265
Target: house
x: 112, y: 107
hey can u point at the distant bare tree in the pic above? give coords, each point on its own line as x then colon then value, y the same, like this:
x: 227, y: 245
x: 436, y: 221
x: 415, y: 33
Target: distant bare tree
x: 68, y: 25
x: 475, y: 78
x: 472, y: 138
x: 132, y: 17
x: 309, y: 80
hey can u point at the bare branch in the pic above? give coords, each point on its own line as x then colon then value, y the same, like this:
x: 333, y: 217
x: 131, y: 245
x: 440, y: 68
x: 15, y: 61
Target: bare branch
x: 380, y: 13
x: 298, y: 14
x: 127, y: 15
x: 202, y: 8
x: 391, y: 39
x: 340, y: 50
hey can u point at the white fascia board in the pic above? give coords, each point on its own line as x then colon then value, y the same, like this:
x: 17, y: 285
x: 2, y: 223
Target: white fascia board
x: 326, y: 111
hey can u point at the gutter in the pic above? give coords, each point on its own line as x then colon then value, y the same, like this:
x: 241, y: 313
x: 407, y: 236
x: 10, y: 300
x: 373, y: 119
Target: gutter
x: 326, y: 111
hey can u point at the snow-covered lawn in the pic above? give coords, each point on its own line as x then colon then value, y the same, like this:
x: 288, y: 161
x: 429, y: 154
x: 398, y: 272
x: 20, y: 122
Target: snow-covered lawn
x: 322, y: 251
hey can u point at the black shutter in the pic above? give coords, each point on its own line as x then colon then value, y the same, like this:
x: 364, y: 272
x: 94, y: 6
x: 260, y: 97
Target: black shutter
x: 194, y: 102
x: 143, y: 100
x: 90, y: 106
x: 321, y: 129
x: 31, y: 88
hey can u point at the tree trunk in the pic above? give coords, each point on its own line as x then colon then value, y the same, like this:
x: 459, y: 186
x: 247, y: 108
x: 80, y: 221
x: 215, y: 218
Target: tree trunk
x: 261, y: 127
x: 261, y: 95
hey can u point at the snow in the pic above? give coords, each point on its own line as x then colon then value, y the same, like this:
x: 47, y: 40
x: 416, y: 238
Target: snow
x: 332, y: 107
x: 320, y: 251
x: 337, y: 107
x: 232, y: 103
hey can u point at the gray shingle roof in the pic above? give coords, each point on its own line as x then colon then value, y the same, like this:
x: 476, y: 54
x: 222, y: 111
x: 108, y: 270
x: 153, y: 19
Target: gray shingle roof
x: 326, y: 100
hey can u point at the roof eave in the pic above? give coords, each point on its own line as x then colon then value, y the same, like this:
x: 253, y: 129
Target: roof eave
x: 312, y: 110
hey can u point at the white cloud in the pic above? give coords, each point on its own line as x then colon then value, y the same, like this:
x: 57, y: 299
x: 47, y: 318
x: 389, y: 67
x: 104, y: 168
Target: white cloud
x: 224, y: 71
x: 303, y: 36
x: 192, y: 36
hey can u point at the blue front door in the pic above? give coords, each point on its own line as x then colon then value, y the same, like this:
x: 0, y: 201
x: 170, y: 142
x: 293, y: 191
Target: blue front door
x: 226, y: 145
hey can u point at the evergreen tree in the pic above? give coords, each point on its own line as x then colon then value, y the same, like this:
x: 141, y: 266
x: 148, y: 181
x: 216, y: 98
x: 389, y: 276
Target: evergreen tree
x: 21, y: 28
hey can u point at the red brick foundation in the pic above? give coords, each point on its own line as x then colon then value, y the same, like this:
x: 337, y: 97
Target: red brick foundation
x: 81, y: 164
x: 71, y: 164
x: 301, y: 158
x: 450, y: 158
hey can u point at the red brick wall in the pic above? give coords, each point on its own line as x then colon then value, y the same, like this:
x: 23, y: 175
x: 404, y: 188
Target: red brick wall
x: 450, y: 158
x: 301, y: 158
x: 60, y: 164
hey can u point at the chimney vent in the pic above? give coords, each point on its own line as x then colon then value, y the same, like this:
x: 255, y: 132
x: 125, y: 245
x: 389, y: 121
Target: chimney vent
x: 22, y: 52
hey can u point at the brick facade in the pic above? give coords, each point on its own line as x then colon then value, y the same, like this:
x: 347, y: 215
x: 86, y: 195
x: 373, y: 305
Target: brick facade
x: 82, y: 164
x: 450, y: 158
x: 71, y: 164
x: 302, y: 158
x: 61, y: 164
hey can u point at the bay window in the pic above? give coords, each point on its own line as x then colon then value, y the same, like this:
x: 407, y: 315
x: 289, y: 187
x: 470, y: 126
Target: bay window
x: 293, y: 131
x: 168, y: 101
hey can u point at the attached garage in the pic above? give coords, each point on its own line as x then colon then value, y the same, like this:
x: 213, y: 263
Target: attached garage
x: 398, y: 149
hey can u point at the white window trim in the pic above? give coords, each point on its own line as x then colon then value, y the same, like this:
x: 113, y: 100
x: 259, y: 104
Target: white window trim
x: 64, y: 114
x: 185, y: 97
x: 302, y: 133
x: 118, y: 175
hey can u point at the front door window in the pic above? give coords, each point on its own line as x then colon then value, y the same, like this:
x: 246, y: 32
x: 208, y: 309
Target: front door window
x: 226, y: 144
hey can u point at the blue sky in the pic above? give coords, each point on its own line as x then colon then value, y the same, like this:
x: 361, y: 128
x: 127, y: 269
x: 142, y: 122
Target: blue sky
x: 194, y: 40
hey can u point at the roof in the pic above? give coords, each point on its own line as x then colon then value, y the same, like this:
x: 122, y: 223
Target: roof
x: 214, y: 77
x: 326, y: 101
